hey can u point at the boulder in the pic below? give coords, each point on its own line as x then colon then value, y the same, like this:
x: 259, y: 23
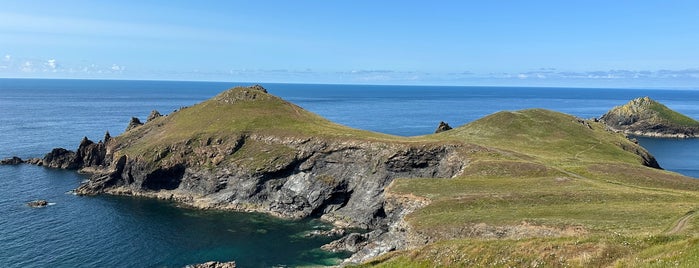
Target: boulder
x: 38, y: 203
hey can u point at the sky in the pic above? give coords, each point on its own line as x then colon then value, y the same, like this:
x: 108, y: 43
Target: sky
x: 627, y: 44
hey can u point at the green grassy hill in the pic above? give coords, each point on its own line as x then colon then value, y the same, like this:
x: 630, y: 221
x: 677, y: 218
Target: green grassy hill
x: 550, y: 191
x: 238, y: 111
x: 539, y: 188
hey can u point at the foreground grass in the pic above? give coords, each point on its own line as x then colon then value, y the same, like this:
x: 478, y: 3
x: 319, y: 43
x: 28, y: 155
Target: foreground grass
x: 595, y: 251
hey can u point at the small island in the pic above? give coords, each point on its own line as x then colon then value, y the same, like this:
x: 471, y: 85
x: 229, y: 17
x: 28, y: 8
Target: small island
x: 649, y: 118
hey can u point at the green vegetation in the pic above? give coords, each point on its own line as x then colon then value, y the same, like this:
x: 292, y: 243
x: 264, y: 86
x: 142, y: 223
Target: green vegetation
x: 672, y: 116
x: 540, y: 188
x: 239, y: 111
x: 551, y: 191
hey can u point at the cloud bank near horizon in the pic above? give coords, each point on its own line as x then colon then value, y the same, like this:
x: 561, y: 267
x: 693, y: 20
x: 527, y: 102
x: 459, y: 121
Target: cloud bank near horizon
x: 19, y: 67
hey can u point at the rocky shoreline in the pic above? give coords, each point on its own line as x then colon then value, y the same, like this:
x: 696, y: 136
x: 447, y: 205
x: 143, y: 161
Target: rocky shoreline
x: 340, y: 181
x: 343, y: 181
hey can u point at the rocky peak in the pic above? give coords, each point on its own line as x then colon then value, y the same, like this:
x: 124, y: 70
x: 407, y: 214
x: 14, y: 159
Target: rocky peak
x: 135, y: 122
x: 153, y: 115
x: 443, y: 126
x: 251, y: 93
x: 107, y: 137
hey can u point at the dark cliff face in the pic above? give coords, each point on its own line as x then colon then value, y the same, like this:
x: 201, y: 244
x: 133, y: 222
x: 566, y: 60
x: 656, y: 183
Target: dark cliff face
x: 89, y: 154
x: 339, y: 181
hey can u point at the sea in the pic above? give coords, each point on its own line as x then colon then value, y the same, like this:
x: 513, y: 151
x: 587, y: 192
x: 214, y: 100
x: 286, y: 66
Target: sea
x: 37, y: 115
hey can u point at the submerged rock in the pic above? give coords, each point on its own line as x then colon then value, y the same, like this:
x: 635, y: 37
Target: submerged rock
x: 38, y: 203
x: 443, y: 126
x: 11, y: 161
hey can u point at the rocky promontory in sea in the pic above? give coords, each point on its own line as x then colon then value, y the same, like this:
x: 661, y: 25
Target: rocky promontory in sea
x: 248, y: 150
x: 649, y: 118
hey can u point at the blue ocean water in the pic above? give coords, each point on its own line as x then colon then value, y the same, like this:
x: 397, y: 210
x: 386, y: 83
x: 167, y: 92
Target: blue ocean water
x: 38, y: 115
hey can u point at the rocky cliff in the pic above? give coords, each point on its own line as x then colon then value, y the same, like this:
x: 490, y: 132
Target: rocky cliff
x: 248, y: 150
x: 647, y: 117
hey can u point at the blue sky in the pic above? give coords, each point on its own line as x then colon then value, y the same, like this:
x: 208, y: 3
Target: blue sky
x: 649, y: 44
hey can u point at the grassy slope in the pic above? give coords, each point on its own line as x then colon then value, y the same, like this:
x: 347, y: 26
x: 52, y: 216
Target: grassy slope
x: 239, y: 111
x: 550, y: 171
x: 534, y: 166
x: 672, y: 116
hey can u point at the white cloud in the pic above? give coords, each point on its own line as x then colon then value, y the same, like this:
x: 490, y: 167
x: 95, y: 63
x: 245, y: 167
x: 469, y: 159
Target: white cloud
x: 27, y: 67
x: 117, y: 68
x: 51, y: 64
x: 7, y: 57
x: 522, y: 76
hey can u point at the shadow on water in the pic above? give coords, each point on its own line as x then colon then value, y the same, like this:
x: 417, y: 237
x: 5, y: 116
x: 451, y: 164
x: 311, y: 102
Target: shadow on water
x: 678, y: 155
x: 112, y: 231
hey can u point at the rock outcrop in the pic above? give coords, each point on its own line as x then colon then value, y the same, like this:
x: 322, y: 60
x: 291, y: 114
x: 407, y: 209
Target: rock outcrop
x: 153, y: 115
x: 442, y: 127
x: 11, y: 161
x: 135, y: 122
x: 38, y: 203
x: 649, y: 118
x: 341, y: 182
x: 89, y: 154
x: 213, y: 264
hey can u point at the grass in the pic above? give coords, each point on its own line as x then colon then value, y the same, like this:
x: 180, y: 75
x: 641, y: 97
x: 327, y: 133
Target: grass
x: 672, y: 116
x: 540, y: 188
x: 593, y: 251
x: 239, y: 111
x: 547, y: 182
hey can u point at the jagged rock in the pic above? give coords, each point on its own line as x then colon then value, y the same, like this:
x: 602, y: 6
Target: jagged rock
x: 647, y: 117
x: 312, y: 178
x: 258, y: 87
x: 38, y: 203
x: 11, y: 161
x: 35, y: 161
x: 442, y: 127
x: 213, y: 264
x: 135, y: 122
x: 153, y: 115
x: 61, y: 158
x: 251, y: 93
x: 91, y: 154
x: 107, y: 137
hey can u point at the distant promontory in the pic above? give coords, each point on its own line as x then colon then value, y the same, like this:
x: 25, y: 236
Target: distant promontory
x: 649, y: 118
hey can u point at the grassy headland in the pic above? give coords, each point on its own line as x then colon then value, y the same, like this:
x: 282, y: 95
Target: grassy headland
x: 539, y: 188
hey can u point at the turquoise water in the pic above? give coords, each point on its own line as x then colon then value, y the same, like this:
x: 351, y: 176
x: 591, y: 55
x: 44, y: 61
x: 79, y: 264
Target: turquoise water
x: 102, y: 231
